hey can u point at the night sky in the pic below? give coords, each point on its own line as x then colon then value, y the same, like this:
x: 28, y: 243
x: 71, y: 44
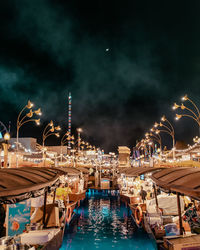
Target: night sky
x: 125, y: 63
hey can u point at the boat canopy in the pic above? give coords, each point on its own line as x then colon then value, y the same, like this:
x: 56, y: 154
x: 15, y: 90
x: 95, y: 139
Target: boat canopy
x: 18, y: 184
x: 137, y: 171
x: 83, y: 170
x: 185, y: 181
x: 70, y: 171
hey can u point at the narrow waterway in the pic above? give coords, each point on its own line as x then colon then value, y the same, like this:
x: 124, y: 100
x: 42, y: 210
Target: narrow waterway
x: 103, y: 223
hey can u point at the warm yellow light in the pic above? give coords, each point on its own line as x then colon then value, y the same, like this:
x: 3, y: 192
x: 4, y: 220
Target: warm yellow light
x: 51, y: 123
x: 183, y: 106
x: 38, y: 112
x: 30, y: 114
x: 161, y: 124
x: 175, y: 106
x: 79, y: 130
x: 163, y: 118
x: 58, y: 128
x: 147, y: 134
x: 52, y: 129
x: 156, y: 125
x: 37, y: 121
x: 29, y: 105
x: 178, y: 116
x: 184, y: 98
x: 57, y: 134
x: 6, y: 136
x: 157, y: 131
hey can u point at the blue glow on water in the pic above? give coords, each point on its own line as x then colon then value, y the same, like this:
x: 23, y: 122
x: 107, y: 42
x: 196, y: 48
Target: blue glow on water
x: 102, y: 222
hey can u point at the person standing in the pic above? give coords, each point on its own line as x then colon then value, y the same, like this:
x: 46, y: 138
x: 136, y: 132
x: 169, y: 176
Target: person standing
x: 143, y: 194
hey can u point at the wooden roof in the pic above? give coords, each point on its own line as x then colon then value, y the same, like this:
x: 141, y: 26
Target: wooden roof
x: 70, y: 170
x: 82, y: 169
x: 182, y: 180
x: 137, y: 171
x: 18, y: 184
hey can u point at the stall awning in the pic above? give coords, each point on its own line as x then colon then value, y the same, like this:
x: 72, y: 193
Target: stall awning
x: 70, y: 170
x: 83, y: 170
x: 182, y: 180
x: 138, y: 171
x: 17, y: 184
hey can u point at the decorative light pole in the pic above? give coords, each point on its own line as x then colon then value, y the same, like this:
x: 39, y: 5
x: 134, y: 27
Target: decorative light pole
x: 155, y: 136
x: 48, y: 131
x: 21, y: 120
x: 191, y: 113
x: 168, y: 128
x: 79, y: 130
x: 64, y: 140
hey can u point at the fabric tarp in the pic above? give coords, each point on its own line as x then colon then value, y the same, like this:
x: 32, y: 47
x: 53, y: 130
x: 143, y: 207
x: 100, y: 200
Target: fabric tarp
x: 181, y: 180
x: 137, y: 171
x: 18, y: 184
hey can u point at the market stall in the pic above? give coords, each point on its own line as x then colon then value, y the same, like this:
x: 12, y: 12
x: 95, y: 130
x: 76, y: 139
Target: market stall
x: 131, y: 180
x: 17, y: 185
x: 181, y: 183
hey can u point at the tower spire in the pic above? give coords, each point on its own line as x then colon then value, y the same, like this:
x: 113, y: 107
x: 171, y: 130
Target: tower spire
x: 69, y: 116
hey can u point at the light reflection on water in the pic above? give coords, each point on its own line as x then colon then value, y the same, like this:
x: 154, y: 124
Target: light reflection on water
x: 104, y: 223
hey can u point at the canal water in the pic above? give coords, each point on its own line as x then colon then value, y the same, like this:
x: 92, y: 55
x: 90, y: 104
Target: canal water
x: 102, y: 222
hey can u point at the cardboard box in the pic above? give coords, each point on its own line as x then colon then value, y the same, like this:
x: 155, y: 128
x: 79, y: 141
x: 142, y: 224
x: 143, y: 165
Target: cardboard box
x: 52, y: 215
x: 183, y: 243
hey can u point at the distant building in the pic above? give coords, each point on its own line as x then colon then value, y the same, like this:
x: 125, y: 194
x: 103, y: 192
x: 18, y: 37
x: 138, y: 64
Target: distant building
x: 124, y: 156
x: 27, y: 143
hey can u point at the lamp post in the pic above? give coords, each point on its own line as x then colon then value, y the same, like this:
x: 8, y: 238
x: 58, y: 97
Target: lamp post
x: 168, y: 128
x: 70, y: 140
x: 49, y: 130
x: 79, y: 130
x: 154, y: 136
x: 21, y: 120
x: 191, y: 113
x: 64, y: 140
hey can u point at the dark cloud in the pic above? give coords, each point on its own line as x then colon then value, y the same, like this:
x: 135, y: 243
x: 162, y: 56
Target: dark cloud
x: 49, y: 48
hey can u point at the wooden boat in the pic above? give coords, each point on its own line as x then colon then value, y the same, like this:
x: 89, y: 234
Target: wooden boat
x: 138, y: 211
x: 129, y: 199
x: 77, y: 196
x: 70, y: 212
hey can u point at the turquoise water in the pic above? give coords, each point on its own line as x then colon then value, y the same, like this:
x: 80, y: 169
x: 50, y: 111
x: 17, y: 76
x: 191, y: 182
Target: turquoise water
x: 104, y: 223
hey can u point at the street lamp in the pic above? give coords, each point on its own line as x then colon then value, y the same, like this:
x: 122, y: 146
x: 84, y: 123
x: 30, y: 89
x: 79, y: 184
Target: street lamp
x: 168, y: 128
x: 49, y: 130
x: 192, y: 113
x: 64, y: 140
x: 21, y: 120
x: 154, y: 134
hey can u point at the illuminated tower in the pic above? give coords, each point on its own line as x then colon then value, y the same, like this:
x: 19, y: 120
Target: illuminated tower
x: 69, y: 116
